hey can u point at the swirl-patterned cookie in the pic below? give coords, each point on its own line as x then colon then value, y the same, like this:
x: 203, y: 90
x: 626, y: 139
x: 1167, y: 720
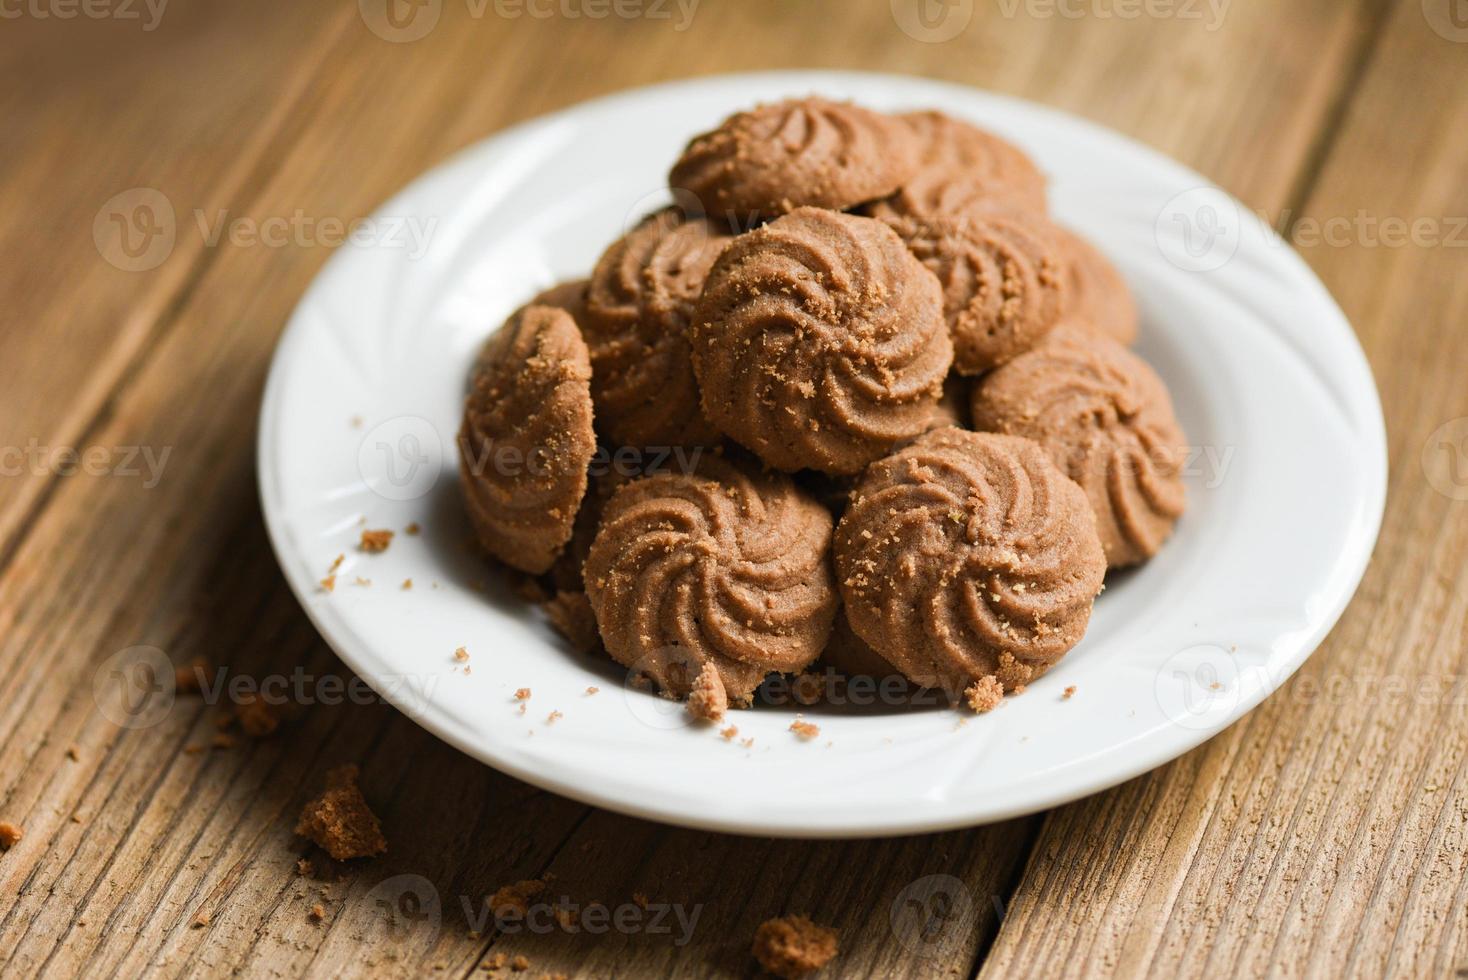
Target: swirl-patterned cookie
x: 726, y: 565
x: 638, y: 305
x: 820, y: 342
x: 963, y: 171
x: 1002, y: 281
x: 969, y: 555
x: 527, y: 439
x: 1096, y: 294
x: 778, y: 157
x: 1106, y: 419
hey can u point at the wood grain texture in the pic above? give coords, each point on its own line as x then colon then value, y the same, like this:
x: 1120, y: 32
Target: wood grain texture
x: 134, y: 839
x: 1325, y: 833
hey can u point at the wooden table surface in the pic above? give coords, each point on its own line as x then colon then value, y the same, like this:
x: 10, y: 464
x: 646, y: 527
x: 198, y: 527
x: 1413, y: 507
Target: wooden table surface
x: 1326, y: 833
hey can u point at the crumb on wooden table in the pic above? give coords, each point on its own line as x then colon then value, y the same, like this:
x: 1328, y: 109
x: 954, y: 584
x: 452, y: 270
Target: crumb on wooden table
x: 189, y: 678
x: 513, y: 901
x: 318, y: 912
x: 340, y: 821
x: 257, y: 717
x: 375, y: 540
x: 793, y: 946
x: 200, y: 921
x: 10, y: 835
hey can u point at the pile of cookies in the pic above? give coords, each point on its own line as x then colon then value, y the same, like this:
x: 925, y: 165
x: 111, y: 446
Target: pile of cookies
x: 883, y: 407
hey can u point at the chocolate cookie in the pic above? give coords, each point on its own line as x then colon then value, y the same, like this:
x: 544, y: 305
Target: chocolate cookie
x: 569, y: 296
x: 963, y: 171
x: 1002, y: 279
x: 969, y: 555
x: 638, y: 305
x: 1107, y: 421
x: 527, y: 439
x: 1096, y: 293
x: 820, y: 342
x: 727, y: 565
x: 776, y: 158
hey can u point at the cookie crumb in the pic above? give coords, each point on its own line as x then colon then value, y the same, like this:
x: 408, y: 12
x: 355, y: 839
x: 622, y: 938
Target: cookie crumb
x: 318, y: 912
x: 407, y: 584
x: 640, y: 900
x: 188, y: 678
x: 592, y: 690
x: 200, y: 921
x: 257, y: 718
x: 729, y: 733
x: 984, y: 694
x: 71, y: 754
x: 520, y: 964
x: 305, y: 868
x: 708, y: 700
x: 793, y: 946
x: 412, y: 529
x: 10, y: 835
x: 804, y: 729
x: 550, y: 719
x: 328, y: 584
x: 340, y: 821
x: 461, y: 655
x: 1068, y: 693
x: 522, y: 694
x: 513, y: 901
x: 223, y: 740
x: 375, y: 541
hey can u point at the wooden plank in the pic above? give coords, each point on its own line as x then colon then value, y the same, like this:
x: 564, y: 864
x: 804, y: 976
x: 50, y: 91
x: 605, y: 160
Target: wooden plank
x: 1324, y: 834
x: 105, y: 564
x: 167, y: 110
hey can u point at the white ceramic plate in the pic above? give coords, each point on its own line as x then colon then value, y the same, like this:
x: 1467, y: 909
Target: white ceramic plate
x: 1285, y: 490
